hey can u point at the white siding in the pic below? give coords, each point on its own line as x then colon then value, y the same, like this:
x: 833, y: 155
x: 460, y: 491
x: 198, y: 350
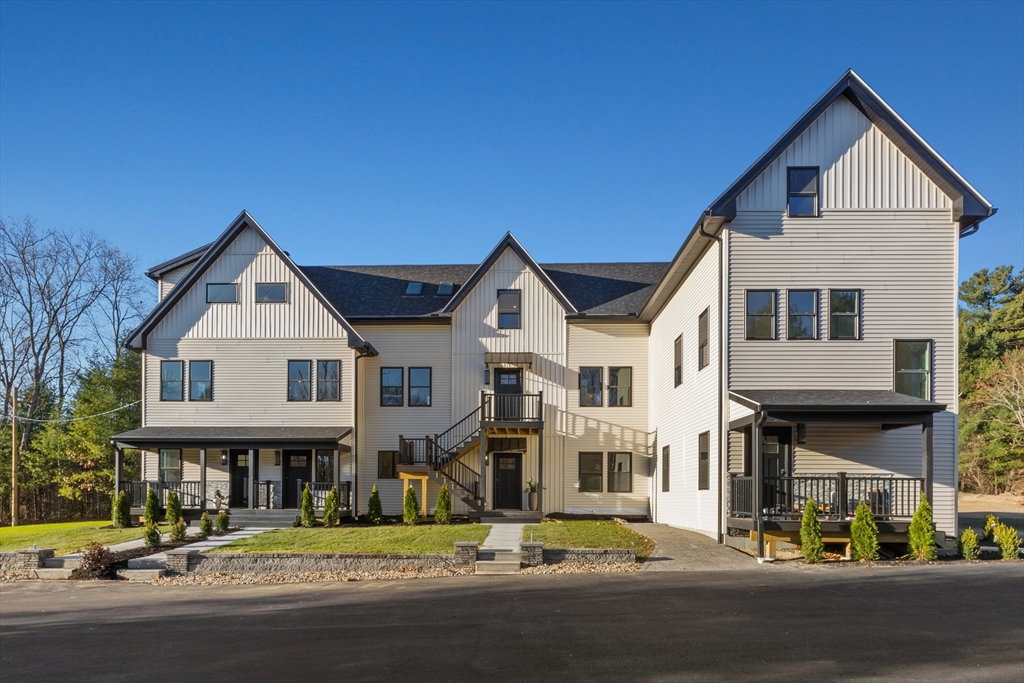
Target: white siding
x: 167, y: 282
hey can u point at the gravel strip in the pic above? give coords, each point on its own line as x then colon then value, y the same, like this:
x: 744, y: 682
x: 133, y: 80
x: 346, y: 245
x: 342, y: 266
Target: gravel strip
x: 584, y: 568
x: 218, y: 579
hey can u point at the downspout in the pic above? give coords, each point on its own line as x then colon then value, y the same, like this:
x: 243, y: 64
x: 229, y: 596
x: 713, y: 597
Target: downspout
x: 365, y: 352
x: 721, y: 375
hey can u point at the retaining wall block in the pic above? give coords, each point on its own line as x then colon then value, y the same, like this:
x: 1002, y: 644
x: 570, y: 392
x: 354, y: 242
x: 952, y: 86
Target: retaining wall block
x: 465, y: 553
x: 532, y: 554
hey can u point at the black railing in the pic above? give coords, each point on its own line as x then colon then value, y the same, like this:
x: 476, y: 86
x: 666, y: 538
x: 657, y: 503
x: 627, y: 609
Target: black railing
x: 452, y: 439
x: 512, y: 408
x: 448, y: 465
x: 190, y: 495
x: 320, y: 489
x: 836, y: 496
x: 741, y: 496
x: 412, y: 451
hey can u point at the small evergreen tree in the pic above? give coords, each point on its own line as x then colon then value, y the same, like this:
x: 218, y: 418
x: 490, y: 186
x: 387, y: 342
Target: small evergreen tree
x: 411, y: 511
x: 152, y: 511
x: 205, y: 525
x: 864, y: 533
x: 991, y: 522
x: 308, y: 517
x: 375, y: 513
x: 332, y: 510
x: 151, y: 536
x: 922, y: 532
x: 1008, y: 540
x: 122, y: 511
x: 173, y: 512
x: 970, y: 549
x: 443, y: 510
x: 179, y: 530
x: 810, y: 534
x: 222, y: 521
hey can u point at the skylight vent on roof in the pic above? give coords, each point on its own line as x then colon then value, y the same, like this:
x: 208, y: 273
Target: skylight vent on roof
x: 445, y: 288
x: 414, y: 289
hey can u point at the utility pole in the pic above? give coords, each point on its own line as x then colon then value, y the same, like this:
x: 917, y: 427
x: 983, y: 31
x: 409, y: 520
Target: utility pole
x: 14, y: 457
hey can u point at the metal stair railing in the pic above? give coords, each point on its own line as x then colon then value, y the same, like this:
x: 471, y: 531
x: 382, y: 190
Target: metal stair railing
x: 451, y: 440
x: 454, y: 470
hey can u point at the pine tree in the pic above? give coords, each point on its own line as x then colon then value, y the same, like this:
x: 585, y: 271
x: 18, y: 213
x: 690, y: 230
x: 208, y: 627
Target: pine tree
x: 151, y: 536
x: 864, y: 533
x: 332, y: 511
x: 969, y: 546
x: 375, y: 513
x: 122, y: 510
x: 173, y: 512
x: 152, y: 512
x: 308, y: 518
x: 922, y: 532
x: 443, y: 511
x: 810, y: 534
x: 411, y: 512
x: 1008, y: 541
x: 205, y: 525
x: 222, y: 521
x: 179, y: 530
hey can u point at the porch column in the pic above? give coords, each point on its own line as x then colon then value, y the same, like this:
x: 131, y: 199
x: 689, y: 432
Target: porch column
x: 483, y: 454
x: 202, y: 479
x: 757, y: 466
x: 337, y: 470
x: 928, y: 458
x: 540, y: 458
x: 252, y: 478
x: 118, y: 471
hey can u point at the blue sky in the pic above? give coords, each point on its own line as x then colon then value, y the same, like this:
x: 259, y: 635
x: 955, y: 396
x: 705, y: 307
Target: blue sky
x: 420, y: 133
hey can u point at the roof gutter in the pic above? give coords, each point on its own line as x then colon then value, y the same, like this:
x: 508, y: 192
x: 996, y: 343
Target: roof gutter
x: 975, y: 225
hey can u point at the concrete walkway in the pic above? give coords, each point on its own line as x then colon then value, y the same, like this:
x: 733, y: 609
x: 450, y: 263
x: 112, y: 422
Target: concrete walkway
x: 129, y: 545
x: 157, y: 559
x: 504, y: 537
x: 680, y: 551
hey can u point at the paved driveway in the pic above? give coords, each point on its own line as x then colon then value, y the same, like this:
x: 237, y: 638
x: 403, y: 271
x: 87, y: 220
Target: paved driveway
x: 687, y: 551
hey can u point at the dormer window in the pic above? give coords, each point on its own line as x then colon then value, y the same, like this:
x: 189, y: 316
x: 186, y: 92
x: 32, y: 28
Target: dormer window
x: 445, y: 289
x: 803, y: 192
x: 414, y: 289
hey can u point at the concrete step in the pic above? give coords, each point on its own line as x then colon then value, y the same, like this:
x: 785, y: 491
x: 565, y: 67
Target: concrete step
x: 64, y: 562
x: 268, y: 519
x: 53, y: 574
x: 513, y: 516
x: 145, y: 563
x: 140, y: 574
x: 497, y: 567
x: 498, y: 555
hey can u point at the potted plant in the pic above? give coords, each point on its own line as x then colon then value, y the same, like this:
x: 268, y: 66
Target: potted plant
x: 531, y: 489
x: 219, y: 498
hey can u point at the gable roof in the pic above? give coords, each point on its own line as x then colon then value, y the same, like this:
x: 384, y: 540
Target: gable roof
x: 137, y: 339
x: 159, y: 270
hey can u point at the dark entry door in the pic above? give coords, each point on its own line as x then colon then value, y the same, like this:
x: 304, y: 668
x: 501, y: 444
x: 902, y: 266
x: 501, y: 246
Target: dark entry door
x: 239, y: 475
x: 508, y: 481
x: 508, y: 387
x: 297, y: 469
x: 776, y: 465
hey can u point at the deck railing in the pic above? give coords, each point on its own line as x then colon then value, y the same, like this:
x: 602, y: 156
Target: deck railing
x: 512, y: 408
x: 190, y: 494
x: 835, y: 495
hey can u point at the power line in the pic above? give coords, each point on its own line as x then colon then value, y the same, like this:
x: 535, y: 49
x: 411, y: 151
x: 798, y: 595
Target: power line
x: 79, y: 419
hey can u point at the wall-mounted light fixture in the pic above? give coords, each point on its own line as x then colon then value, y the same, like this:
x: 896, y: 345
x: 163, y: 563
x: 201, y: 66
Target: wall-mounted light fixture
x: 223, y: 457
x: 801, y: 433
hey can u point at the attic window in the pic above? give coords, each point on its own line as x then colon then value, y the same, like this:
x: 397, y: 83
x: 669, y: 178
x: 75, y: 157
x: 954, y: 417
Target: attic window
x: 222, y: 293
x: 414, y: 289
x: 803, y: 191
x: 445, y: 289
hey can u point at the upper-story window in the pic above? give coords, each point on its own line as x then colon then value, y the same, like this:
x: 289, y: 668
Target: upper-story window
x: 844, y: 314
x: 509, y: 309
x: 704, y: 461
x: 299, y: 381
x: 392, y: 384
x: 328, y: 380
x: 200, y: 380
x: 620, y: 386
x: 761, y: 314
x: 591, y: 389
x: 913, y: 368
x: 703, y: 344
x: 802, y: 317
x: 271, y: 293
x: 677, y: 360
x: 803, y: 191
x: 222, y: 293
x: 172, y: 381
x: 419, y: 386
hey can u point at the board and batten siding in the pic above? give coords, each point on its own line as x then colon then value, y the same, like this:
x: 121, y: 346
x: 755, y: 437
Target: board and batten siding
x: 542, y: 331
x: 680, y: 414
x: 608, y: 429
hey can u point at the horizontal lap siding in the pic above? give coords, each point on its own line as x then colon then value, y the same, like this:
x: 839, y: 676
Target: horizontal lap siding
x: 167, y: 282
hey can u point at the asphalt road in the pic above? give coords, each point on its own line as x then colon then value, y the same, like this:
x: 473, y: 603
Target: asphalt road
x: 962, y: 623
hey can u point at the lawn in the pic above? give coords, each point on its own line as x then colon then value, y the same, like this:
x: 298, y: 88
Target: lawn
x: 65, y: 537
x: 396, y: 539
x: 581, y: 533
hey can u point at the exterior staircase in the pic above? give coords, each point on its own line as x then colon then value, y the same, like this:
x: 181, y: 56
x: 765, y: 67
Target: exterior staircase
x: 440, y: 455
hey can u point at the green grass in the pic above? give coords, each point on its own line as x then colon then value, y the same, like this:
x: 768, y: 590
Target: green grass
x: 582, y: 533
x: 398, y: 539
x: 65, y: 537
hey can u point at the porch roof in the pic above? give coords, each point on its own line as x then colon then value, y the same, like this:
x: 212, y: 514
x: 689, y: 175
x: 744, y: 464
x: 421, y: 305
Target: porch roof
x: 252, y: 437
x: 835, y: 405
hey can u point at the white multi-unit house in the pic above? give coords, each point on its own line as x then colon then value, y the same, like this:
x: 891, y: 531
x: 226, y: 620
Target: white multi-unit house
x: 801, y: 344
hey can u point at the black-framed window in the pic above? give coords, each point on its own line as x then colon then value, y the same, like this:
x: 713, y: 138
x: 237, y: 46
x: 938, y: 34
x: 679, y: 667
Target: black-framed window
x: 591, y: 474
x: 222, y: 293
x: 170, y: 464
x: 200, y: 380
x: 913, y: 368
x: 677, y: 360
x: 172, y: 380
x: 761, y: 314
x: 620, y: 473
x: 802, y: 314
x: 509, y: 309
x: 387, y: 462
x: 392, y: 386
x: 620, y: 386
x: 271, y: 292
x: 703, y: 342
x: 704, y: 461
x: 591, y: 386
x: 803, y: 191
x: 299, y: 381
x: 844, y: 314
x: 419, y: 386
x: 665, y: 479
x: 328, y: 380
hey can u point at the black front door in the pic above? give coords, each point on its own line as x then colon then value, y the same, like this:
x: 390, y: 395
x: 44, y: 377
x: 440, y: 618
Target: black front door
x: 508, y: 481
x: 239, y: 476
x: 297, y: 469
x: 776, y: 464
x: 508, y: 394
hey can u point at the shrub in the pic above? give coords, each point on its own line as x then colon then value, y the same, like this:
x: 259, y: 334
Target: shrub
x: 173, y: 512
x: 1008, y: 540
x: 411, y: 511
x: 864, y: 533
x: 152, y: 511
x: 375, y: 513
x: 308, y: 515
x: 179, y: 530
x: 991, y: 522
x: 122, y: 511
x: 922, y: 532
x: 222, y: 521
x: 205, y: 525
x: 443, y: 511
x: 970, y: 549
x: 151, y: 536
x: 97, y: 563
x: 810, y: 534
x: 332, y: 510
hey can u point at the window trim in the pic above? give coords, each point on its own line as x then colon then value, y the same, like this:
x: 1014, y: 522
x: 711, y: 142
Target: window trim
x: 600, y: 386
x: 704, y: 339
x: 518, y: 313
x: 181, y: 371
x: 617, y: 386
x: 256, y: 292
x: 610, y: 455
x: 192, y: 398
x: 816, y: 195
x: 817, y: 315
x: 319, y: 398
x: 309, y: 369
x: 677, y: 361
x: 430, y: 387
x: 774, y: 316
x: 394, y: 464
x: 221, y: 284
x: 401, y: 387
x: 704, y: 461
x: 929, y: 373
x: 666, y: 478
x: 856, y: 315
x: 580, y: 472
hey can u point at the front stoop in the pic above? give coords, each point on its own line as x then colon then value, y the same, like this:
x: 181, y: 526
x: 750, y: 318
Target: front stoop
x: 140, y: 574
x: 498, y: 562
x: 52, y: 574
